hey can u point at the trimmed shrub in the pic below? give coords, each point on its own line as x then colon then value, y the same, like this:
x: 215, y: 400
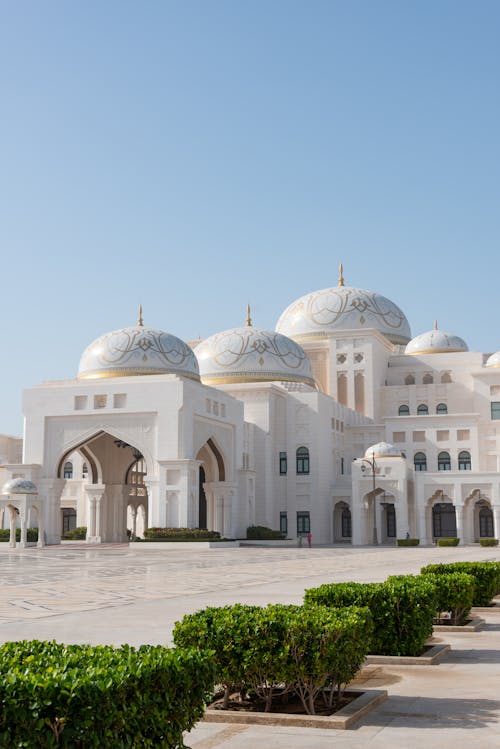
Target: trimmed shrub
x: 84, y: 697
x: 76, y: 534
x: 180, y: 534
x: 455, y: 594
x: 408, y: 541
x: 280, y: 649
x: 448, y: 541
x: 488, y: 541
x: 261, y: 533
x: 486, y: 577
x: 31, y: 534
x: 402, y: 609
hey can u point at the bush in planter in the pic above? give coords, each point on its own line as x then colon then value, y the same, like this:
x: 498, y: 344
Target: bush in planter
x: 281, y: 649
x: 408, y: 541
x: 262, y: 533
x: 448, y: 541
x: 486, y: 577
x: 100, y: 697
x: 455, y: 594
x: 402, y: 609
x: 76, y: 534
x: 488, y: 541
x: 180, y: 534
x: 31, y: 534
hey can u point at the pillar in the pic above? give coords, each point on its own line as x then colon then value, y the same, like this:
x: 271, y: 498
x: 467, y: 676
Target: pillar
x: 422, y: 530
x: 95, y: 527
x: 12, y: 536
x: 227, y: 522
x: 459, y: 515
x: 496, y: 520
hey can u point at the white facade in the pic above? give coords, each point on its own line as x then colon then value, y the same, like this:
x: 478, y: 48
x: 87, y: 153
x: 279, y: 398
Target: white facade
x: 249, y: 430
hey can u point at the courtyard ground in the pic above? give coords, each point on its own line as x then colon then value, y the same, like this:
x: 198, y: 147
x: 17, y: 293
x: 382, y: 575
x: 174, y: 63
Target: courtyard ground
x: 134, y: 594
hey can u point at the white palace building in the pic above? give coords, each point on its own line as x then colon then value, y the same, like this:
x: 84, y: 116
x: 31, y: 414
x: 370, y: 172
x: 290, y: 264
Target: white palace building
x: 338, y: 422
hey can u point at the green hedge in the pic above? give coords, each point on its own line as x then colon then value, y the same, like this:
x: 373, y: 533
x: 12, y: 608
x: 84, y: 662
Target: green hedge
x: 408, y: 541
x: 448, y: 541
x: 486, y: 577
x: 262, y: 533
x: 84, y: 697
x: 455, y: 595
x: 488, y: 541
x: 402, y: 609
x: 280, y: 649
x: 179, y: 534
x: 76, y: 534
x: 31, y: 534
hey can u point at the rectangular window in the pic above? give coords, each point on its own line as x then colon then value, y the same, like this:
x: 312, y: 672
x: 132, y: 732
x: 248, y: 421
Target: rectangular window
x: 419, y: 436
x: 341, y: 466
x: 442, y: 435
x: 303, y: 523
x: 283, y: 464
x: 495, y: 410
x: 119, y: 400
x: 398, y: 436
x: 463, y: 434
x: 80, y: 402
x: 283, y: 523
x: 100, y: 401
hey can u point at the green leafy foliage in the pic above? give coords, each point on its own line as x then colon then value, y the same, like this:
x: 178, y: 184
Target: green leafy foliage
x: 76, y: 534
x: 488, y: 541
x: 83, y: 697
x: 408, y: 541
x: 402, y: 609
x: 31, y: 534
x: 278, y: 649
x: 262, y: 533
x: 454, y: 594
x: 180, y: 534
x: 448, y: 541
x: 486, y: 577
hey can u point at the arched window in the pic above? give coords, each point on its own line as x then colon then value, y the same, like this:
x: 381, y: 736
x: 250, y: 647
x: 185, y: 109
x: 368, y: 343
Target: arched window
x: 441, y: 408
x: 68, y: 470
x: 85, y: 471
x: 420, y: 461
x: 404, y: 410
x: 409, y: 380
x: 486, y: 522
x: 446, y: 377
x: 423, y: 409
x: 464, y: 462
x: 444, y: 461
x: 427, y: 379
x: 302, y: 460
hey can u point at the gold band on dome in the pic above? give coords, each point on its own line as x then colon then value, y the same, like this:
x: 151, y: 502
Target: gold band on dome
x: 437, y: 351
x: 492, y: 366
x: 242, y: 379
x: 106, y: 374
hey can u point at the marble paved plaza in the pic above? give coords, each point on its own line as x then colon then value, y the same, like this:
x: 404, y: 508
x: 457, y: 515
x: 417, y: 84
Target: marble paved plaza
x: 134, y: 594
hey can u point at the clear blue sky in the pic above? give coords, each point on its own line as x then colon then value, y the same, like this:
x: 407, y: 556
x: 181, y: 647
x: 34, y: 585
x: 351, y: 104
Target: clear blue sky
x: 198, y: 155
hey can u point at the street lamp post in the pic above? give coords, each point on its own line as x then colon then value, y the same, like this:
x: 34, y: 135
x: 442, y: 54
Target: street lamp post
x: 373, y: 466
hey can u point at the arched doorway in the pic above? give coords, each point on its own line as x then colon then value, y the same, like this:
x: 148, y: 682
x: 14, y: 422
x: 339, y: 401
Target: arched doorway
x: 213, y: 508
x: 342, y: 523
x: 485, y: 519
x: 202, y: 500
x: 137, y: 497
x: 444, y: 522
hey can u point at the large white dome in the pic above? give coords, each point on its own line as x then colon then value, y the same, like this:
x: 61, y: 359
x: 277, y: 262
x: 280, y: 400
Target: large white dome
x: 137, y: 351
x: 383, y: 450
x: 249, y: 354
x: 493, y: 360
x: 322, y: 313
x: 436, y: 342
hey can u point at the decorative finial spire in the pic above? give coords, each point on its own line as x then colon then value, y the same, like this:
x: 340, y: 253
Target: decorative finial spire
x: 249, y: 319
x: 139, y: 321
x: 341, y: 275
x: 435, y: 324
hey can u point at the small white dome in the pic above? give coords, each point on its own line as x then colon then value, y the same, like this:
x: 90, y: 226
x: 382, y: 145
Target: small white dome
x: 249, y: 354
x: 436, y: 342
x: 493, y: 360
x: 137, y: 351
x: 322, y: 313
x: 383, y: 450
x: 19, y: 486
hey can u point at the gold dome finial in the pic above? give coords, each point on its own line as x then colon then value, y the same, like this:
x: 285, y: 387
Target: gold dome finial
x: 435, y: 324
x: 139, y: 321
x: 249, y: 319
x: 341, y: 275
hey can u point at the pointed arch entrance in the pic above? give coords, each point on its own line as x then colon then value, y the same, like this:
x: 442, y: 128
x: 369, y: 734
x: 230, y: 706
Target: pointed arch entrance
x: 115, y: 481
x: 214, y: 500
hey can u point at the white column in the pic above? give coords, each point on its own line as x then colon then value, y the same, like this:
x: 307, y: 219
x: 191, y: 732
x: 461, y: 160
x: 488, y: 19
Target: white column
x: 459, y: 515
x: 95, y: 496
x: 422, y: 529
x: 22, y: 515
x: 41, y: 531
x: 157, y: 509
x: 13, y: 522
x: 496, y: 520
x: 228, y: 502
x: 49, y: 491
x: 133, y: 512
x: 402, y: 524
x: 219, y: 514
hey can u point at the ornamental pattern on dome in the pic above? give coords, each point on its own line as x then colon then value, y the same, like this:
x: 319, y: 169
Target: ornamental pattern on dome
x: 19, y: 486
x: 383, y: 450
x: 344, y: 308
x: 135, y: 351
x: 436, y: 342
x: 251, y: 354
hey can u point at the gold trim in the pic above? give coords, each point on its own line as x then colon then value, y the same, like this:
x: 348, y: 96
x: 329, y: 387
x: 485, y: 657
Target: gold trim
x: 492, y: 366
x: 435, y: 324
x: 341, y: 275
x: 249, y: 319
x: 242, y: 379
x: 106, y: 374
x: 140, y: 322
x: 437, y: 351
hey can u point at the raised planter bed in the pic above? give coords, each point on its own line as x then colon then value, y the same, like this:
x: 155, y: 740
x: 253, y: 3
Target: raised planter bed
x: 431, y: 656
x: 471, y: 625
x: 493, y: 608
x: 361, y: 703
